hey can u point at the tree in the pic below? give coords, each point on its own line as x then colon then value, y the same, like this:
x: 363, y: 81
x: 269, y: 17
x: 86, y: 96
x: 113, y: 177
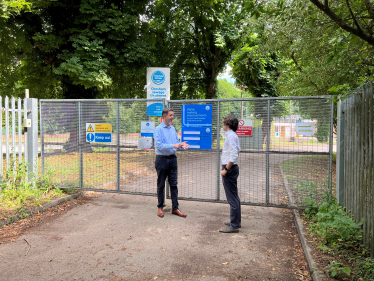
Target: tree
x: 227, y: 90
x: 355, y: 17
x: 9, y: 7
x: 259, y: 72
x: 319, y: 54
x: 78, y: 49
x: 196, y: 39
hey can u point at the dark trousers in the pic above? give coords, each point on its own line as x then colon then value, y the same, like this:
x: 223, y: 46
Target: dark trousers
x: 230, y: 183
x: 167, y: 168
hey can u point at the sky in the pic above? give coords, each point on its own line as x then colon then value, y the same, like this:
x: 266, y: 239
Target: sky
x: 227, y: 75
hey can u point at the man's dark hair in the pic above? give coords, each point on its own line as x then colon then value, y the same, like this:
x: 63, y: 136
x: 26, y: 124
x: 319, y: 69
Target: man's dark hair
x: 166, y: 111
x: 232, y: 122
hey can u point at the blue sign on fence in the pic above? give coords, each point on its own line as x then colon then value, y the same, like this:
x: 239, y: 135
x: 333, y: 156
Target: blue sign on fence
x: 197, y: 115
x: 197, y: 137
x: 197, y: 125
x: 103, y: 137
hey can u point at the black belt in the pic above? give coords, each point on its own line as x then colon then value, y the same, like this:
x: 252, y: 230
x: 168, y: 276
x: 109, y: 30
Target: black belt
x: 224, y: 166
x: 166, y: 156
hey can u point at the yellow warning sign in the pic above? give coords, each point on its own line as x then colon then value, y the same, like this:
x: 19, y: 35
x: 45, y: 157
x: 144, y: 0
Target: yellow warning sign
x: 103, y: 128
x: 90, y: 129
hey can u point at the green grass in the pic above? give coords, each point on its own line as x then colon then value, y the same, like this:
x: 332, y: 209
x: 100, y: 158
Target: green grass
x: 17, y: 194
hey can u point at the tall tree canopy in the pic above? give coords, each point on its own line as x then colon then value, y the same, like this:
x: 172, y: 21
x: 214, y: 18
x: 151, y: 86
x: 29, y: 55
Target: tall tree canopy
x: 197, y: 39
x: 97, y: 48
x: 319, y: 51
x: 86, y: 48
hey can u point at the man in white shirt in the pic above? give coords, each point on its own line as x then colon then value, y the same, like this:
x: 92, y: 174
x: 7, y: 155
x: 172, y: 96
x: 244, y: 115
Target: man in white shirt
x: 230, y: 172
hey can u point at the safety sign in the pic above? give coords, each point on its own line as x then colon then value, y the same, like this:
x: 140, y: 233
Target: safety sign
x: 245, y: 127
x: 98, y: 132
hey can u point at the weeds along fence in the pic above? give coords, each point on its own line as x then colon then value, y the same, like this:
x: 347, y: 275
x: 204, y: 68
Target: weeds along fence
x: 18, y: 134
x: 355, y: 167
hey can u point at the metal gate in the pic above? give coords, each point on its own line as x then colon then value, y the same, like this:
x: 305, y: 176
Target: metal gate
x: 279, y: 164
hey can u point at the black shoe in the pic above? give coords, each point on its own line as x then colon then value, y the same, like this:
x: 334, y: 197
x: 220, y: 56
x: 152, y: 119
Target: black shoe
x: 229, y: 229
x: 228, y: 223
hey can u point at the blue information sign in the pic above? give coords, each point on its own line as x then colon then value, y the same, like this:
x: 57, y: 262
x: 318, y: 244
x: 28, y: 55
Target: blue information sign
x: 197, y: 125
x: 197, y: 115
x: 103, y: 137
x: 154, y: 109
x: 197, y: 137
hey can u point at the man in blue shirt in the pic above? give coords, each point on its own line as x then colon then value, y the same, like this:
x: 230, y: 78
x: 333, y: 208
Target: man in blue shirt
x: 166, y: 145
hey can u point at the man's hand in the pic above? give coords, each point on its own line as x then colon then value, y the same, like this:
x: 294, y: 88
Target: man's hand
x: 184, y: 145
x: 223, y: 172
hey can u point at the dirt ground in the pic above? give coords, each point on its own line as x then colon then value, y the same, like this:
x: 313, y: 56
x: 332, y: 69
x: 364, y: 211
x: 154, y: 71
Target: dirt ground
x: 119, y: 237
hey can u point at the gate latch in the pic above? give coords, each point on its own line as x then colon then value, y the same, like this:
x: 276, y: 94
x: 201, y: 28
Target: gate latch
x: 27, y: 123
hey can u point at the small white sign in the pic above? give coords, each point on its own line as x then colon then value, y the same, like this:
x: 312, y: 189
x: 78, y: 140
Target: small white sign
x: 158, y: 87
x: 145, y: 143
x: 305, y: 129
x: 147, y: 128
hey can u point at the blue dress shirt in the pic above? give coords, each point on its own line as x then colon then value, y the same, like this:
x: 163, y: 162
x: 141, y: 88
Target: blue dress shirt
x: 165, y: 137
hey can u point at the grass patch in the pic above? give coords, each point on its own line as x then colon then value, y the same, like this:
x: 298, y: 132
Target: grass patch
x: 17, y: 194
x: 308, y: 178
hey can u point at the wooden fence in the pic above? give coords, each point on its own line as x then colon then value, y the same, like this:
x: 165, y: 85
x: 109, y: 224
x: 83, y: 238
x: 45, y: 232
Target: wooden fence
x: 355, y: 167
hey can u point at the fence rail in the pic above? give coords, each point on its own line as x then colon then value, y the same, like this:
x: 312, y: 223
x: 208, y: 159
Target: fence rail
x: 18, y: 143
x: 355, y: 168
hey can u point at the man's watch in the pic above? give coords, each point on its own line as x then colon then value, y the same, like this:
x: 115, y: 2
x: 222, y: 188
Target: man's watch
x: 226, y: 169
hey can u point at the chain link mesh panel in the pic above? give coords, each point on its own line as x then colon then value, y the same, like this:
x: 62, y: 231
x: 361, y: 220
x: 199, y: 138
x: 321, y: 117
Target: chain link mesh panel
x: 197, y: 168
x: 280, y: 164
x: 116, y: 166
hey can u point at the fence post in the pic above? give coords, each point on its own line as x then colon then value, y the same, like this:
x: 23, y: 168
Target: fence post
x: 340, y: 153
x: 32, y: 138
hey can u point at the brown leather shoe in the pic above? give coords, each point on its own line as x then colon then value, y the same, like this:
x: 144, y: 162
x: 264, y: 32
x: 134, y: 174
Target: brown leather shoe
x: 160, y: 212
x: 178, y: 213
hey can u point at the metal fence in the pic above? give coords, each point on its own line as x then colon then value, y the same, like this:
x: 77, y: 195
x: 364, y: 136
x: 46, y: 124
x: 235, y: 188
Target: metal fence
x: 277, y: 167
x: 118, y: 166
x: 18, y: 134
x: 355, y: 167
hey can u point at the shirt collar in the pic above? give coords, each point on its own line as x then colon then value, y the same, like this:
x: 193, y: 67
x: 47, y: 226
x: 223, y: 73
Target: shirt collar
x: 165, y: 126
x: 229, y: 132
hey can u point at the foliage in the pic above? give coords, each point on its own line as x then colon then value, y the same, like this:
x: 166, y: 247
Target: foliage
x: 227, y: 90
x: 342, y: 237
x: 318, y: 53
x: 365, y: 268
x: 126, y: 116
x: 16, y: 190
x: 196, y: 38
x: 336, y: 268
x: 309, y: 193
x: 334, y: 224
x: 9, y: 7
x: 86, y: 49
x: 257, y: 71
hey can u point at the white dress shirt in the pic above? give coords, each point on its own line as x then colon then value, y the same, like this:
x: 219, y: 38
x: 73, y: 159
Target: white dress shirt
x: 231, y: 148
